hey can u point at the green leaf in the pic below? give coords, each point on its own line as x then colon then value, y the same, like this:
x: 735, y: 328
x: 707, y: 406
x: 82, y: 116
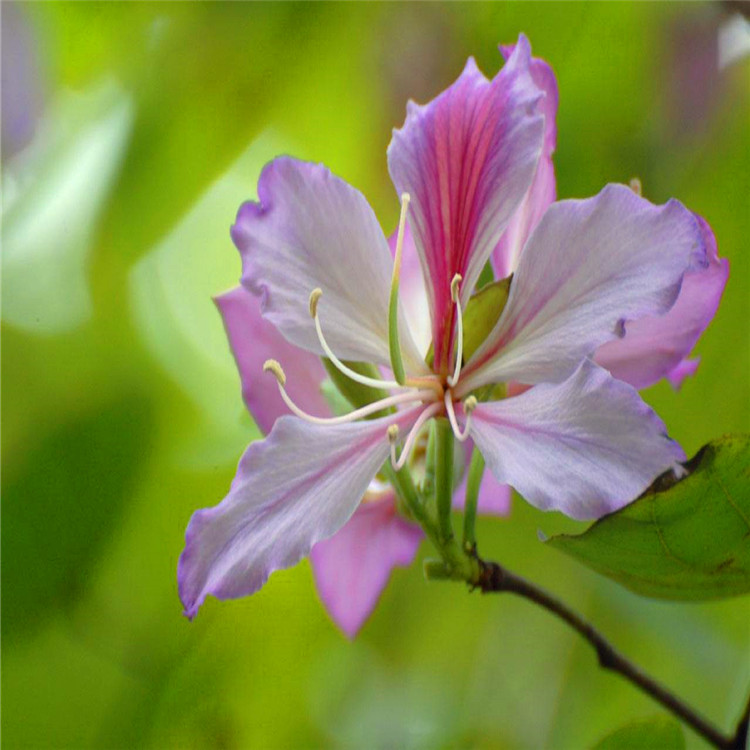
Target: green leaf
x: 658, y: 733
x: 686, y: 539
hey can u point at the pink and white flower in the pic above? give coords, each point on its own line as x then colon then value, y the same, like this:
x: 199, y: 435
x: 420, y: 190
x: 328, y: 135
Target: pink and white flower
x: 474, y: 168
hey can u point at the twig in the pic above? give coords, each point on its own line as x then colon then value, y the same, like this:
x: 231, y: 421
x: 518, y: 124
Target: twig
x: 493, y: 578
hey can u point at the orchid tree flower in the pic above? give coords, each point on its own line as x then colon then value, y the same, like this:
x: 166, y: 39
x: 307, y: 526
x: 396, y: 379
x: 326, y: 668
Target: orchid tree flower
x: 578, y: 440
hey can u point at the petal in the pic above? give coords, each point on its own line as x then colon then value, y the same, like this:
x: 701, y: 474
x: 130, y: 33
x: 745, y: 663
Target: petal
x: 467, y: 159
x: 493, y: 500
x: 679, y: 373
x: 585, y: 447
x: 589, y: 266
x: 543, y: 190
x: 253, y: 340
x: 654, y: 347
x: 298, y: 486
x: 309, y: 230
x: 353, y: 566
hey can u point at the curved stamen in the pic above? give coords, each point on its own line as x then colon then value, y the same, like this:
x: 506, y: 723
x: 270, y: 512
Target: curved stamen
x: 271, y: 365
x: 397, y: 363
x: 469, y: 405
x: 315, y: 296
x: 398, y: 462
x: 453, y: 379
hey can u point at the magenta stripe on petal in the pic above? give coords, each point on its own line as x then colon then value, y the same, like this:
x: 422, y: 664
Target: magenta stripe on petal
x: 467, y: 159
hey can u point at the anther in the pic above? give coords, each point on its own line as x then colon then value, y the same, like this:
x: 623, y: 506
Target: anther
x: 636, y: 187
x: 469, y: 405
x: 271, y: 365
x: 315, y: 295
x: 393, y: 433
x: 457, y: 279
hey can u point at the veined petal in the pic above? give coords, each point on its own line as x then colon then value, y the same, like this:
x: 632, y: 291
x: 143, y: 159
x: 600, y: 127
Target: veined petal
x: 309, y: 230
x: 298, y: 486
x: 657, y: 347
x: 588, y: 267
x: 467, y: 159
x: 353, y: 566
x: 543, y: 190
x: 585, y: 447
x: 253, y: 340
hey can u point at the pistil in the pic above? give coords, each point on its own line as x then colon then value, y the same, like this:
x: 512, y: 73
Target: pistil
x: 455, y: 282
x: 397, y: 363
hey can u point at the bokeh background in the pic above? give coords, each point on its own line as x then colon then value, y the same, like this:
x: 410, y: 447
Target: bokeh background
x: 130, y: 134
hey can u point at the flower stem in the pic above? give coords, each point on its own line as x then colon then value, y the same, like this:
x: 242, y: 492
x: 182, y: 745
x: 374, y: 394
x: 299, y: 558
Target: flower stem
x: 493, y: 578
x: 473, y: 481
x: 444, y: 477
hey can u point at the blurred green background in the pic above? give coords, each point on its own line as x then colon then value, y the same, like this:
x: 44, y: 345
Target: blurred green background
x: 131, y: 133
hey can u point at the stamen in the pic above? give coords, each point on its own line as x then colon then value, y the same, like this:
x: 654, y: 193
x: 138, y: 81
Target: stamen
x: 274, y: 367
x: 315, y: 296
x: 398, y: 463
x: 469, y: 405
x: 397, y: 364
x: 636, y: 187
x: 453, y: 379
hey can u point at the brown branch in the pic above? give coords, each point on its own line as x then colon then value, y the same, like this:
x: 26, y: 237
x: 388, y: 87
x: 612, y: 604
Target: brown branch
x: 493, y: 578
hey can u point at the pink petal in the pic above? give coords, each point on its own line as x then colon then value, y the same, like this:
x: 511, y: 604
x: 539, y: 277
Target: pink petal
x: 313, y: 230
x: 353, y: 566
x: 467, y: 159
x: 589, y: 266
x: 655, y: 347
x: 254, y: 340
x: 684, y: 369
x: 585, y: 447
x: 543, y: 190
x: 298, y: 486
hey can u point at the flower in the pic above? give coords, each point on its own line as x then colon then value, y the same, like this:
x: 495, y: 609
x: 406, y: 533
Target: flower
x: 470, y: 165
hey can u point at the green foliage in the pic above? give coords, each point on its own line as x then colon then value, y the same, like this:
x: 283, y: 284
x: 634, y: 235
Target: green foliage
x: 686, y: 539
x: 658, y: 733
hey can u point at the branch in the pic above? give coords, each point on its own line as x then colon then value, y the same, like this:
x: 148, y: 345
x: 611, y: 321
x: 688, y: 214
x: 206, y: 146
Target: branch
x: 495, y: 579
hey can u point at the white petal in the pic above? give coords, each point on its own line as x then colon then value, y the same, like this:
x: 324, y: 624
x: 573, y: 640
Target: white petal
x: 298, y: 486
x: 588, y: 267
x: 312, y: 230
x: 585, y: 447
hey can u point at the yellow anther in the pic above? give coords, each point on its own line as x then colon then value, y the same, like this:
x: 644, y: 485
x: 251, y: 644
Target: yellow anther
x: 457, y: 279
x: 315, y: 295
x: 405, y: 198
x: 470, y: 404
x: 393, y: 433
x: 271, y: 365
x: 636, y: 187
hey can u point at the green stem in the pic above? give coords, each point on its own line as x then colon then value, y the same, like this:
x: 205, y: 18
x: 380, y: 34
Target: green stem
x: 444, y: 477
x: 473, y: 481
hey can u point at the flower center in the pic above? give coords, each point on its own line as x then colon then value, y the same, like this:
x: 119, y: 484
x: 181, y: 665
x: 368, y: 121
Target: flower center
x: 437, y: 397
